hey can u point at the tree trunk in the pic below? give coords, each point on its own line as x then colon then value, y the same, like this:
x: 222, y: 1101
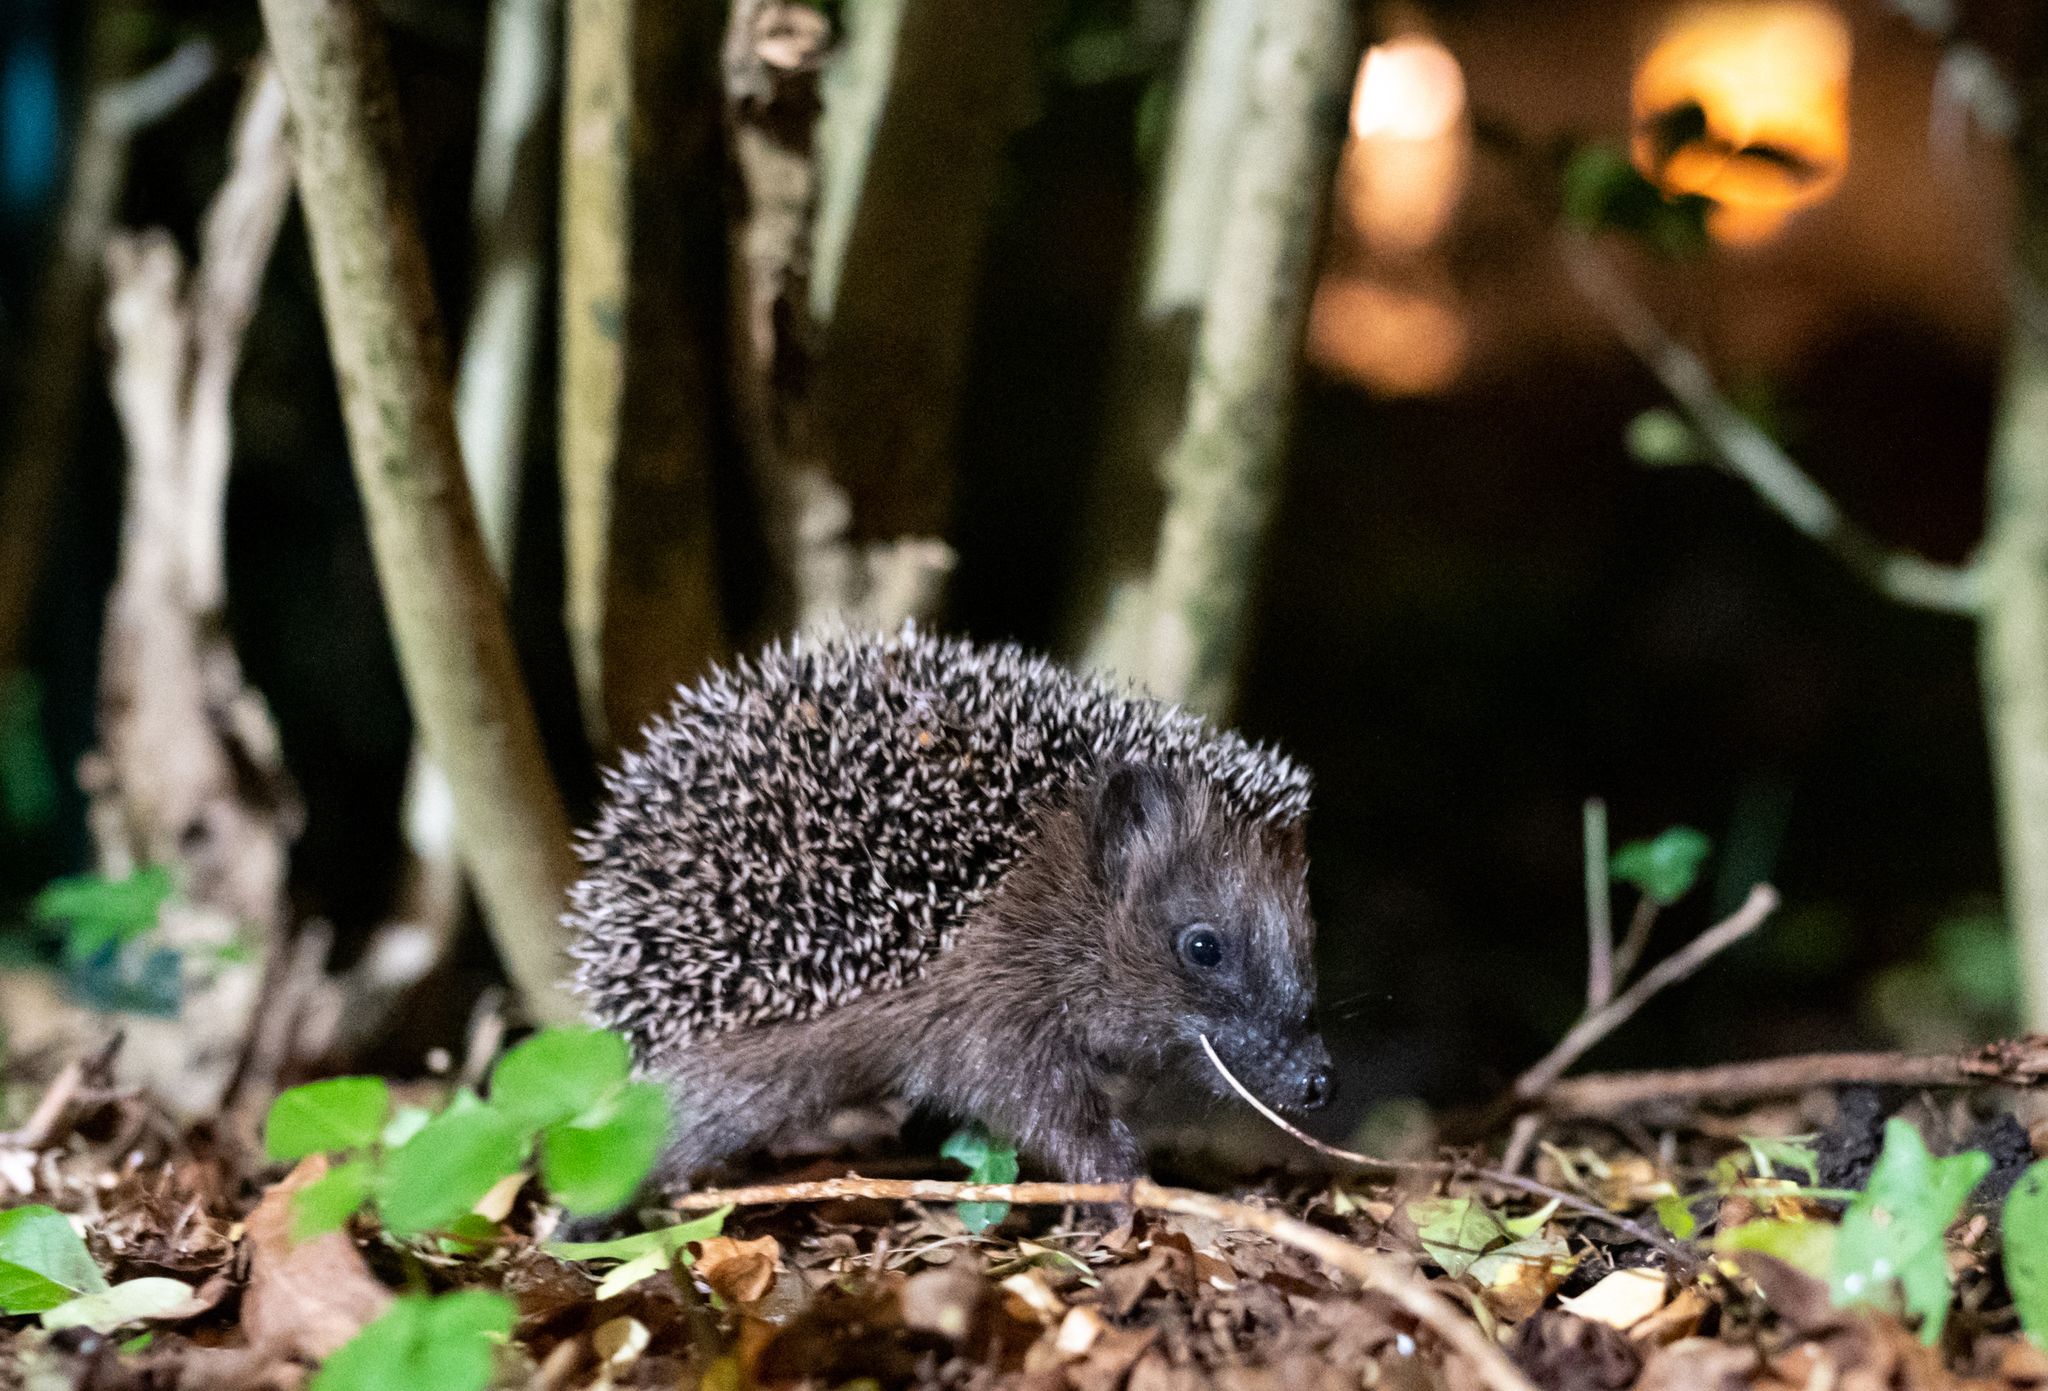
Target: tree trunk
x: 447, y: 617
x: 642, y: 271
x: 2014, y: 645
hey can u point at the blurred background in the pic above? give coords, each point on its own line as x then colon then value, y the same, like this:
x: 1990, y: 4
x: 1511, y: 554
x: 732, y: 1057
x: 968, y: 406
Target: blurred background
x: 1494, y: 585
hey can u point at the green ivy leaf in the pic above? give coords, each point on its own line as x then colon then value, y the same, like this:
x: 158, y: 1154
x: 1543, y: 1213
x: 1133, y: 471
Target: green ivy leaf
x: 669, y: 1241
x: 599, y: 1159
x: 558, y: 1074
x: 337, y: 1115
x: 1807, y: 1246
x: 2026, y: 1250
x: 445, y: 1169
x: 1456, y: 1232
x: 1676, y: 1215
x: 131, y: 1301
x: 326, y: 1204
x: 421, y: 1340
x: 102, y: 914
x: 988, y: 1160
x: 1893, y: 1232
x: 1665, y: 868
x: 42, y: 1262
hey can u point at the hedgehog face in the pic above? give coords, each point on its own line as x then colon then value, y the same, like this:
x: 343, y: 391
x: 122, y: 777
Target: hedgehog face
x: 1207, y: 935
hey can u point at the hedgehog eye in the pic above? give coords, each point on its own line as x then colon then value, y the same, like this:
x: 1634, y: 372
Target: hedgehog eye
x: 1200, y: 946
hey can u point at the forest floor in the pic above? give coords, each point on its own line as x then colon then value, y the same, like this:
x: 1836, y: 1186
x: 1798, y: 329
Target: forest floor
x: 1815, y: 1244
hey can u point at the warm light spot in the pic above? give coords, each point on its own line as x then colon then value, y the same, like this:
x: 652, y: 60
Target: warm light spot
x: 1409, y: 88
x: 1405, y: 168
x: 1398, y: 341
x: 1746, y: 104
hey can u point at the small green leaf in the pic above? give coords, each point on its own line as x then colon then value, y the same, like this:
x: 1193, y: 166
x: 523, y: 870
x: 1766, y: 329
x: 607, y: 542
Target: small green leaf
x: 667, y: 1240
x: 599, y: 1159
x: 1788, y: 1152
x: 557, y: 1074
x: 131, y: 1301
x: 988, y: 1160
x: 102, y: 914
x: 1676, y: 1215
x: 405, y: 1122
x: 1665, y: 868
x: 326, y: 1204
x: 1807, y: 1246
x: 2026, y: 1250
x: 1893, y: 1232
x: 42, y: 1261
x: 1455, y: 1232
x: 444, y: 1170
x: 1603, y: 191
x: 337, y: 1115
x: 1660, y: 438
x: 444, y: 1342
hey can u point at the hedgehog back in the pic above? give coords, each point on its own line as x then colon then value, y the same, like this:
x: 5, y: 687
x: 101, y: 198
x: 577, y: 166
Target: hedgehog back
x: 820, y: 822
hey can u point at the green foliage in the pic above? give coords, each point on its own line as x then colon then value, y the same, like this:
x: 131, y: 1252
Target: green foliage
x: 42, y: 1261
x: 1771, y: 1154
x: 2025, y: 1224
x: 567, y: 1093
x: 1803, y: 1245
x: 987, y: 1161
x: 1965, y: 986
x: 1661, y: 438
x: 445, y: 1342
x: 337, y: 1115
x: 98, y: 915
x: 1675, y: 1213
x: 666, y: 1241
x: 1603, y: 191
x: 1892, y: 1233
x: 28, y: 784
x: 131, y: 1301
x: 1665, y: 868
x: 1459, y: 1233
x: 440, y: 1173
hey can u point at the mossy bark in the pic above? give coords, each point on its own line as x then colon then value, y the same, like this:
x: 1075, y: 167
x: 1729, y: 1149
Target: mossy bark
x: 454, y: 645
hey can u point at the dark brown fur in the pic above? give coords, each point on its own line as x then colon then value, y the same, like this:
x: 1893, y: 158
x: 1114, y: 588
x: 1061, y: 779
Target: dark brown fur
x: 1070, y: 975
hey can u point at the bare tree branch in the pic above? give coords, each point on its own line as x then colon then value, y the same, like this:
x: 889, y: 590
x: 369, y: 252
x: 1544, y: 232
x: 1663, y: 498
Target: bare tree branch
x: 1753, y: 456
x: 447, y: 618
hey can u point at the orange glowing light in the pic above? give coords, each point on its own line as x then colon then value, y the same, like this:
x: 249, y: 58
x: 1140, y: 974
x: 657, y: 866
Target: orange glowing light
x: 1745, y: 102
x: 1405, y: 169
x: 1400, y: 341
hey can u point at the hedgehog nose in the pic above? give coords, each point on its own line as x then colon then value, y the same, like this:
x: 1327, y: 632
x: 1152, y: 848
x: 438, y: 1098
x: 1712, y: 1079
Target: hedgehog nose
x: 1316, y: 1088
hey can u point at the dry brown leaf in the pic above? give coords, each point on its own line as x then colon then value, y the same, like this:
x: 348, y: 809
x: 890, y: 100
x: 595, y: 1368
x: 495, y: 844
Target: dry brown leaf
x: 1556, y: 1349
x: 1622, y: 1298
x: 1701, y: 1364
x: 306, y: 1299
x: 948, y: 1301
x: 1678, y: 1319
x: 740, y: 1271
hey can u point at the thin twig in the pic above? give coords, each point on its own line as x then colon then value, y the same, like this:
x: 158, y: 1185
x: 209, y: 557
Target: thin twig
x: 1369, y: 1269
x: 146, y: 98
x: 1600, y: 973
x: 1599, y: 1023
x: 1752, y: 455
x: 1640, y: 924
x: 2020, y: 1062
x: 1454, y: 1169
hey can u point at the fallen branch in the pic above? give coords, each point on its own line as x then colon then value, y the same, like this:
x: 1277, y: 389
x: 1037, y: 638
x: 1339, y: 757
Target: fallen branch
x: 1369, y: 1269
x: 1598, y: 1023
x: 2019, y: 1062
x: 1454, y: 1169
x: 1753, y: 456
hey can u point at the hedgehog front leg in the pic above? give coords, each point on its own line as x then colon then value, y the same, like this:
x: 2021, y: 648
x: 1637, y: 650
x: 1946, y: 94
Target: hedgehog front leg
x: 741, y: 1091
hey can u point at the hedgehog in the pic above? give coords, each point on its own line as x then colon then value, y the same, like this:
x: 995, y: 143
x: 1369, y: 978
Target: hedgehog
x: 866, y: 865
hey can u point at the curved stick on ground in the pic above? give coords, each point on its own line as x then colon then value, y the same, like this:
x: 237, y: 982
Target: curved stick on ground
x: 1449, y: 1168
x: 1369, y: 1269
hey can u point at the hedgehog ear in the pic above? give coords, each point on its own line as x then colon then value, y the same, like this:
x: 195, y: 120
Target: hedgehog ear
x: 1132, y: 801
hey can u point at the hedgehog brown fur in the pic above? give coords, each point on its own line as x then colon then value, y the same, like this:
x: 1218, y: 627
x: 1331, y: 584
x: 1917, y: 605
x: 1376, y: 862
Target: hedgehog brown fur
x: 958, y: 873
